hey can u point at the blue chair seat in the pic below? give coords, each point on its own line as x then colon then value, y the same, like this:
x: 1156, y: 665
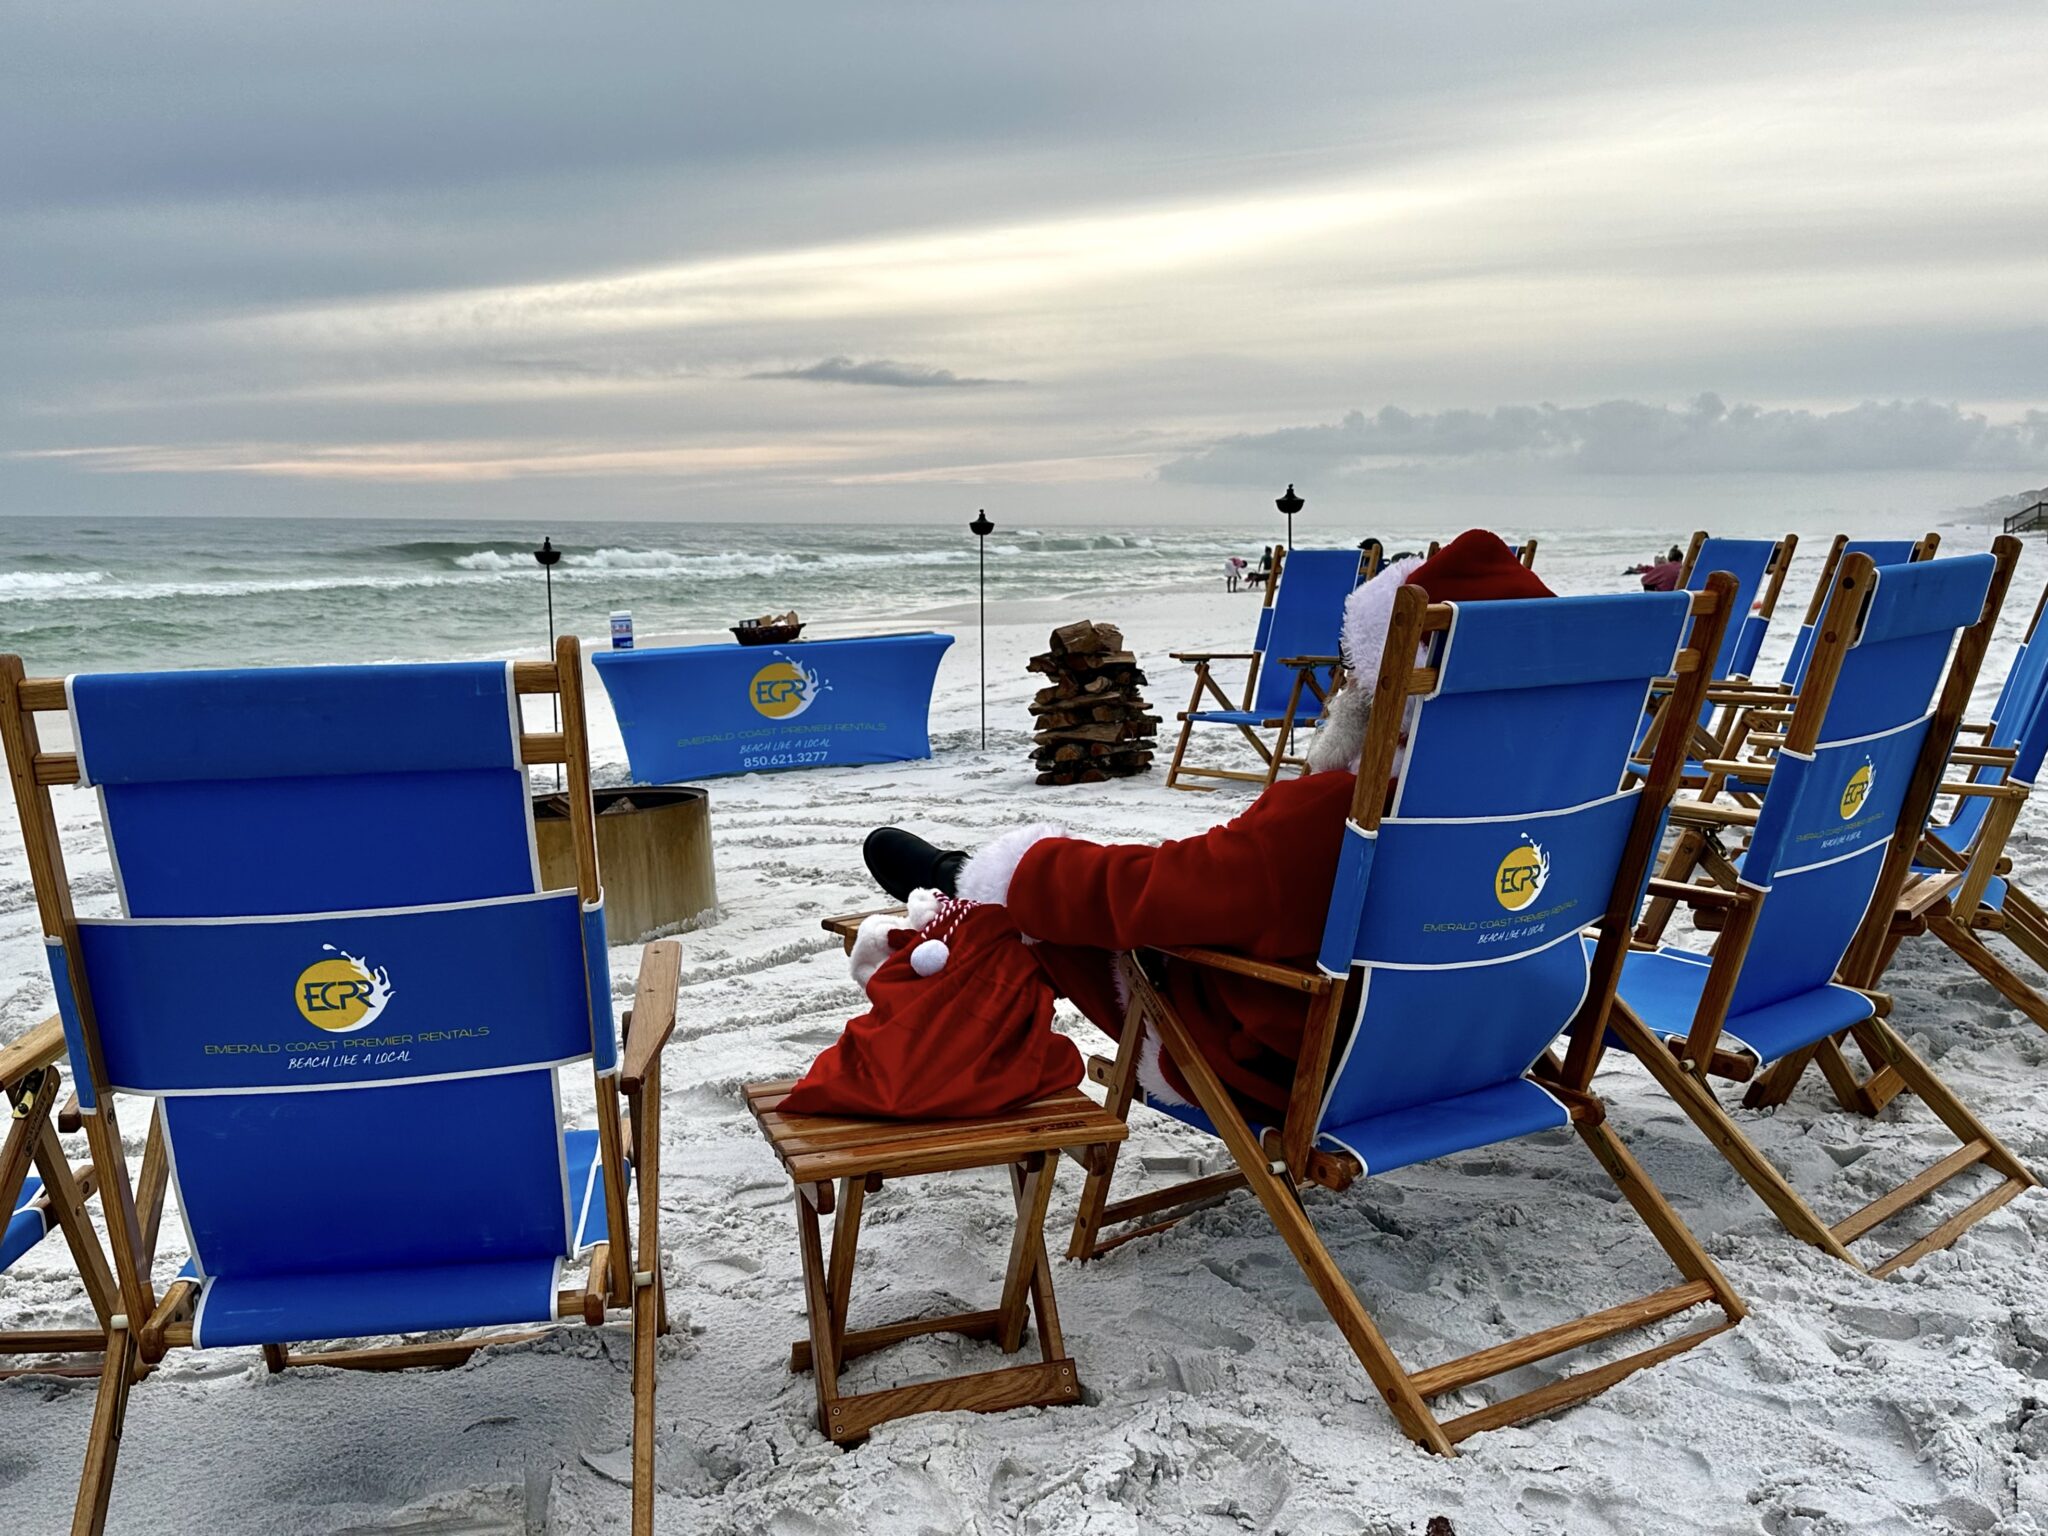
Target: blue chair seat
x: 1500, y: 1112
x: 1663, y: 989
x: 26, y: 1224
x: 354, y: 1304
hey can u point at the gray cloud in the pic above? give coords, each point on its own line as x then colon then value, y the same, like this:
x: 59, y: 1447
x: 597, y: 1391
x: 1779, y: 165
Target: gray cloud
x: 502, y: 233
x: 1632, y: 437
x: 844, y: 370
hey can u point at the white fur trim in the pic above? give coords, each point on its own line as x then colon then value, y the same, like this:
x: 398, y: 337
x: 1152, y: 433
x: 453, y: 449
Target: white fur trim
x: 1152, y: 1070
x: 871, y: 945
x: 1338, y: 741
x: 921, y: 908
x: 1367, y: 613
x: 987, y: 873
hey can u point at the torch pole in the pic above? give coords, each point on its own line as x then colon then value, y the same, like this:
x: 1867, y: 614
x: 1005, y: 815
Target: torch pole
x: 981, y: 528
x: 547, y: 556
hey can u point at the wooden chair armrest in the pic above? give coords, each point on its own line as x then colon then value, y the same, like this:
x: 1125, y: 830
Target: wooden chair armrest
x: 1302, y: 663
x: 1987, y: 757
x: 1927, y: 892
x: 1986, y: 791
x: 1694, y: 895
x: 1296, y: 978
x: 1738, y: 769
x: 41, y: 1046
x: 1713, y: 815
x: 1746, y: 693
x: 654, y: 1011
x: 1213, y: 655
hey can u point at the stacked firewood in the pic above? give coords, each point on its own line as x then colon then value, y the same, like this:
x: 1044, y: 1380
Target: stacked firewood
x: 1091, y: 722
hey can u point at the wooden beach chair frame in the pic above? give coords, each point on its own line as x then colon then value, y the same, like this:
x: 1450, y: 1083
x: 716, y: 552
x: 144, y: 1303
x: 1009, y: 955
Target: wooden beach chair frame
x: 31, y: 1081
x: 1725, y: 696
x: 1276, y: 1164
x: 1747, y: 705
x: 144, y: 1326
x: 1946, y: 894
x: 1684, y: 1068
x: 1306, y: 681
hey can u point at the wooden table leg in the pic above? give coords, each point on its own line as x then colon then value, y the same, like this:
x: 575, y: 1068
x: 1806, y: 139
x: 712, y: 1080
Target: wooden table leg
x: 1031, y: 1182
x: 845, y: 1238
x: 826, y: 1330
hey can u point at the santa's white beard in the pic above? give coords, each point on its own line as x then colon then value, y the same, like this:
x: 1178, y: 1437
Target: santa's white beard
x: 1339, y: 739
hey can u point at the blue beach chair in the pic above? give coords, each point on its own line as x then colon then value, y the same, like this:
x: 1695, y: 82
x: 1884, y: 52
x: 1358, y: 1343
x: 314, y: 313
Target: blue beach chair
x: 1451, y: 961
x: 1961, y: 889
x: 1809, y: 900
x: 1759, y: 567
x: 1879, y: 552
x: 1295, y: 653
x: 335, y: 954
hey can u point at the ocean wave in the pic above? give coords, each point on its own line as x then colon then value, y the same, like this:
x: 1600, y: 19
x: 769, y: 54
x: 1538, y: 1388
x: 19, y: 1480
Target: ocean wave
x: 47, y: 583
x: 1056, y: 544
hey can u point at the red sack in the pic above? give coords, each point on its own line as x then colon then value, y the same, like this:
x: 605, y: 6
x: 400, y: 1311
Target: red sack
x: 973, y: 1038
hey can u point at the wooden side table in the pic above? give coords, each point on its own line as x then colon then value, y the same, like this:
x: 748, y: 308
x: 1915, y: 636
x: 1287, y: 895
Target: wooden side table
x: 859, y: 1156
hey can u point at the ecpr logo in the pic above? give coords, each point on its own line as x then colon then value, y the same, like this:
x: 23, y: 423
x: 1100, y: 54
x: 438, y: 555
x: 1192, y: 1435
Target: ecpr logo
x: 1521, y: 876
x: 782, y: 690
x: 342, y: 994
x: 1856, y: 791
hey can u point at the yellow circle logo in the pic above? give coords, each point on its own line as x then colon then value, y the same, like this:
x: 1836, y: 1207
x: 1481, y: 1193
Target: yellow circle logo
x: 1856, y: 791
x: 782, y: 690
x: 1521, y: 876
x: 341, y: 994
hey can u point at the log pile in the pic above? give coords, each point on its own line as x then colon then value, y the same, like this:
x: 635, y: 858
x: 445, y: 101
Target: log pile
x: 1090, y: 723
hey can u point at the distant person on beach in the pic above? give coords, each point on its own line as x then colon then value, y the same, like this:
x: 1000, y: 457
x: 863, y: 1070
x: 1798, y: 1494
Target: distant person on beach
x: 1233, y: 573
x: 1264, y: 573
x: 1259, y: 884
x: 1663, y: 576
x: 1375, y: 554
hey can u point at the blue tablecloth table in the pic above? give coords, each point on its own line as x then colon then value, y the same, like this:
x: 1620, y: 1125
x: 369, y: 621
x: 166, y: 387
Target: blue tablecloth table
x: 698, y: 711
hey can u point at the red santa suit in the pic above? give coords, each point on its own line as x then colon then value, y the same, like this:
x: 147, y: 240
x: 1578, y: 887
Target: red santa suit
x: 1258, y: 885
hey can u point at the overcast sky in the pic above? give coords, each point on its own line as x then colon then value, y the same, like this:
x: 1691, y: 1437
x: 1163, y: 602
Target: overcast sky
x: 1134, y: 261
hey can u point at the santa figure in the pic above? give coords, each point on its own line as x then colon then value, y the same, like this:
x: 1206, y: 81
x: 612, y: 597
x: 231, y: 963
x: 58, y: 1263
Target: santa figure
x: 1258, y: 885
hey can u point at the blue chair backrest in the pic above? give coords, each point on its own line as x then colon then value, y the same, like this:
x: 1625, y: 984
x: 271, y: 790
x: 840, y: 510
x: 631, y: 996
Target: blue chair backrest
x: 1881, y: 552
x: 1304, y: 619
x: 1827, y: 819
x: 2019, y: 723
x: 1462, y: 910
x: 336, y: 967
x: 1747, y: 560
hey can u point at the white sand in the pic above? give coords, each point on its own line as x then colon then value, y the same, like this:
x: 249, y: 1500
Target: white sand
x: 1220, y: 1398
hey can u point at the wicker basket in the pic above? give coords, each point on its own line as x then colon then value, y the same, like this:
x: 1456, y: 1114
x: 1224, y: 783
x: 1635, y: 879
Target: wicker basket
x: 766, y: 634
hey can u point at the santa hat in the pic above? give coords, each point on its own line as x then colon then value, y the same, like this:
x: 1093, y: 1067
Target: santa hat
x: 1474, y: 567
x: 925, y: 926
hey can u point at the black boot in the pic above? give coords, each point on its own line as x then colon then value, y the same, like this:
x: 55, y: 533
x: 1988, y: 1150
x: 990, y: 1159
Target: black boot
x: 902, y: 862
